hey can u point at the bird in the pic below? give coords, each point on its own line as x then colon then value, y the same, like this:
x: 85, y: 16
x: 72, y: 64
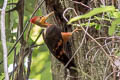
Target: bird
x: 54, y: 38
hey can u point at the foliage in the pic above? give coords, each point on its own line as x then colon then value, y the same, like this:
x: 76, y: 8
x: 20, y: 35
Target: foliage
x: 113, y: 27
x: 112, y: 15
x: 95, y: 11
x: 1, y: 76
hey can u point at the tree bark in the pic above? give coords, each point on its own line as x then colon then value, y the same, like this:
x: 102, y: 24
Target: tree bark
x: 91, y: 66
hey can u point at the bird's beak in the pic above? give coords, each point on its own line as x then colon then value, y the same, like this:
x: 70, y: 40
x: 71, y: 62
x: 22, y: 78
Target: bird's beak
x: 48, y: 15
x: 44, y: 18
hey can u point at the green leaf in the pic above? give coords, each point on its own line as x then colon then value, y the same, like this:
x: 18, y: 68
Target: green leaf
x: 92, y: 13
x: 116, y: 14
x: 100, y: 18
x: 2, y: 75
x: 92, y: 24
x: 113, y: 26
x: 97, y: 26
x: 1, y: 3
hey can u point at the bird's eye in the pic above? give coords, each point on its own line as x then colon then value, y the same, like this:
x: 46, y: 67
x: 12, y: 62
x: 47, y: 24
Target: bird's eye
x: 40, y: 17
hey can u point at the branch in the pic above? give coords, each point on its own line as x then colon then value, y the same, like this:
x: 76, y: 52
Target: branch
x: 3, y: 39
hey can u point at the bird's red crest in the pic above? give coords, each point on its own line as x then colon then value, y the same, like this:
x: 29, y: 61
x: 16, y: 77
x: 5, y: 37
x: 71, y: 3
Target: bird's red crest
x: 33, y: 20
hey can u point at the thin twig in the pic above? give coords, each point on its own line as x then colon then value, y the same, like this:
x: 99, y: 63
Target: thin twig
x: 95, y: 55
x: 90, y: 51
x: 3, y: 39
x: 66, y: 11
x: 14, y: 63
x: 29, y: 64
x: 103, y: 2
x: 100, y: 38
x: 105, y: 70
x: 111, y: 74
x: 81, y: 4
x: 12, y: 3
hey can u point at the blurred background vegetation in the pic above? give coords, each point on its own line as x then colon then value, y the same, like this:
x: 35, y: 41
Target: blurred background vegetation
x: 41, y: 65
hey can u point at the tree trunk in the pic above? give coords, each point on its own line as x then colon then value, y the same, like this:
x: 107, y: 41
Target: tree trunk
x: 92, y: 63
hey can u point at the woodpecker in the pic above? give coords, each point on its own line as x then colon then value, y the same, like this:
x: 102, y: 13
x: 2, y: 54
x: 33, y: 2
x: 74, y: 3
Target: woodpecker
x: 54, y: 38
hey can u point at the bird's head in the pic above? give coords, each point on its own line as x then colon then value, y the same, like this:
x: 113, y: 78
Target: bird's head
x: 41, y: 20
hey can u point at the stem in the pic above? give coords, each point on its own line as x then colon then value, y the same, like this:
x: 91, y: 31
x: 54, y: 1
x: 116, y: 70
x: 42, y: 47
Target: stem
x: 3, y: 39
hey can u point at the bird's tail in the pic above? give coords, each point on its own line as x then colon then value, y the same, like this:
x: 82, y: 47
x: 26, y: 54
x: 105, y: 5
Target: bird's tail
x: 72, y: 69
